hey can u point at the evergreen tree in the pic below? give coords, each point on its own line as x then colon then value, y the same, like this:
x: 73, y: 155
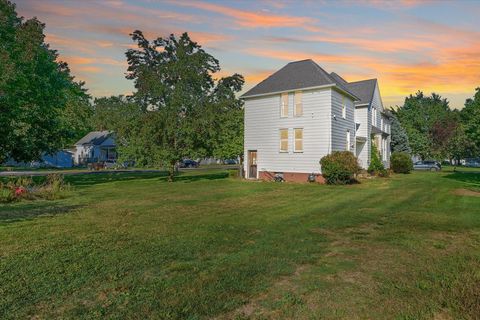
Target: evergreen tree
x: 399, y: 142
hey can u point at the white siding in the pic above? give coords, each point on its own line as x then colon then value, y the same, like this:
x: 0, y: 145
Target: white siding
x: 262, y: 124
x: 340, y: 125
x: 363, y: 117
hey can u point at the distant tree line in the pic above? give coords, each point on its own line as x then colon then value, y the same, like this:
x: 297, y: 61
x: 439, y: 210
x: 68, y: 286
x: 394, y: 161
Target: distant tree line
x: 427, y: 127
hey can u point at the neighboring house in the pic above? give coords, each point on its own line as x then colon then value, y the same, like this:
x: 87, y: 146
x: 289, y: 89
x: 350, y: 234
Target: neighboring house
x: 96, y: 146
x: 301, y: 113
x: 59, y: 159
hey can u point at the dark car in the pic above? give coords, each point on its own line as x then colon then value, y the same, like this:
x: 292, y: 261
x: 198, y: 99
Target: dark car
x: 187, y: 163
x: 430, y: 165
x: 230, y: 161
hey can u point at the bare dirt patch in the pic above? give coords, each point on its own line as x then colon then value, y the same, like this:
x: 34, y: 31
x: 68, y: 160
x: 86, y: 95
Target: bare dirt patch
x: 466, y: 192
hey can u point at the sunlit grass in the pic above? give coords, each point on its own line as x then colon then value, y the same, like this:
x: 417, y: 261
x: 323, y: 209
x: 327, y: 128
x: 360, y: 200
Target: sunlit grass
x: 136, y: 246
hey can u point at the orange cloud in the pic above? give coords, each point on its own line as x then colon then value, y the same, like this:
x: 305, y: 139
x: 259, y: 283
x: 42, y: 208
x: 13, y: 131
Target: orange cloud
x: 250, y: 19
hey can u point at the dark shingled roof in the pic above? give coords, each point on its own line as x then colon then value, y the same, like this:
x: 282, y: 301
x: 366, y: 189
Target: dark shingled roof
x: 296, y: 75
x: 95, y: 137
x: 363, y: 89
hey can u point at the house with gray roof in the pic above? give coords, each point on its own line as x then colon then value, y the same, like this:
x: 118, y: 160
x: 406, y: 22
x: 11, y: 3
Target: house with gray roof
x: 96, y: 146
x: 301, y: 113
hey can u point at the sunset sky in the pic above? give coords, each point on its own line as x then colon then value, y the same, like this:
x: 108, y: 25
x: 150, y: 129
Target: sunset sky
x: 408, y: 45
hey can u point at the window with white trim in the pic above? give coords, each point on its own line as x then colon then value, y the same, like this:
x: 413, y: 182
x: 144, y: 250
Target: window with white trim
x: 344, y: 108
x: 347, y: 141
x: 284, y: 105
x: 298, y: 136
x: 283, y: 140
x: 298, y: 109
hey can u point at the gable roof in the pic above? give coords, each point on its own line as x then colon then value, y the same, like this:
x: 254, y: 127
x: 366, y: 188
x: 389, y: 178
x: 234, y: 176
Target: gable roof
x: 95, y: 138
x: 364, y: 89
x: 296, y: 75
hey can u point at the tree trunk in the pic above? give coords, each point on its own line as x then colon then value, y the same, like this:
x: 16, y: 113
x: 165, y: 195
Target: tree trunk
x: 171, y: 172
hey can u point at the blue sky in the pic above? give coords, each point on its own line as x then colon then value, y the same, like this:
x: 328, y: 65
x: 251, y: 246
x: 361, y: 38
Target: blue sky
x: 408, y: 45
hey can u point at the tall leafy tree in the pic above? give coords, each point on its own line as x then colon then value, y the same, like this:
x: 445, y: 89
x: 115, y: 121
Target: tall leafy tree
x: 35, y: 90
x: 399, y: 142
x: 183, y: 105
x: 418, y: 116
x: 470, y: 116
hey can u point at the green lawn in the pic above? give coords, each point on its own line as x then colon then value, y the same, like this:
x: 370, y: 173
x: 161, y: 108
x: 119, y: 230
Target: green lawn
x: 133, y: 246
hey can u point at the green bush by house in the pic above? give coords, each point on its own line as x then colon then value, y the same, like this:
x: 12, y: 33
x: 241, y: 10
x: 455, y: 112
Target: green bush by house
x: 339, y: 167
x: 376, y: 166
x: 400, y: 162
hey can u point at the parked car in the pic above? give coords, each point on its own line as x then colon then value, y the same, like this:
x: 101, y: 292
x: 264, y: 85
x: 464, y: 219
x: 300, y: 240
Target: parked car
x: 187, y: 163
x: 427, y: 165
x: 472, y: 163
x: 230, y: 161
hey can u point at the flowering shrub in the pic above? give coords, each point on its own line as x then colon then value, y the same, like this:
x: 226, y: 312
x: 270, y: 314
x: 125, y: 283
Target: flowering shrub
x: 15, y: 189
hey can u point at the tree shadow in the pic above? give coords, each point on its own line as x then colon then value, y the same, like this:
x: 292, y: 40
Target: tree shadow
x: 470, y: 178
x: 182, y: 177
x: 89, y: 179
x: 30, y: 211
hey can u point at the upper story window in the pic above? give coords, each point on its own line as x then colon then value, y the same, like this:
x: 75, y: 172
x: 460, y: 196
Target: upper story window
x: 374, y: 116
x: 284, y: 105
x: 298, y: 109
x: 381, y: 124
x: 344, y: 108
x: 283, y: 140
x: 298, y: 146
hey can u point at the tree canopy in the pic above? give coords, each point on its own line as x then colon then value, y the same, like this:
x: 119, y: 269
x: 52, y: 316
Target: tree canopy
x: 38, y: 96
x: 186, y: 112
x: 436, y: 131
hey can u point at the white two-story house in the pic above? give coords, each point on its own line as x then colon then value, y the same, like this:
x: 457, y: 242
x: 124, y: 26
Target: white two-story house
x: 301, y: 113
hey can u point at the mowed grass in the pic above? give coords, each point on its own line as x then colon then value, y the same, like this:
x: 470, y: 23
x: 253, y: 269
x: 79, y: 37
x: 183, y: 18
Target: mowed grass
x: 133, y: 246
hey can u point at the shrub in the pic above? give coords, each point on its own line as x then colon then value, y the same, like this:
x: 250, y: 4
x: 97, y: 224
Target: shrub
x: 339, y: 167
x: 6, y: 195
x: 54, y: 187
x: 401, y: 162
x: 376, y: 165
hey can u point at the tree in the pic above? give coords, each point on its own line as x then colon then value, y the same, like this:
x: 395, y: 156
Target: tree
x: 418, y: 116
x: 183, y: 105
x: 35, y: 90
x: 399, y: 142
x: 470, y: 116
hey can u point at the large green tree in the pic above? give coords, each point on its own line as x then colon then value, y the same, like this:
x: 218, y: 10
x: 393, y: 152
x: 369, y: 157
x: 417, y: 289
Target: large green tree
x: 419, y: 115
x: 184, y: 107
x: 36, y: 91
x: 470, y: 116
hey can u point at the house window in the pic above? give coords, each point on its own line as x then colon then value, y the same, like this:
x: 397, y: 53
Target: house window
x: 347, y: 142
x: 381, y: 123
x: 374, y: 117
x: 284, y: 105
x: 344, y: 108
x: 283, y: 140
x: 298, y: 110
x: 298, y: 146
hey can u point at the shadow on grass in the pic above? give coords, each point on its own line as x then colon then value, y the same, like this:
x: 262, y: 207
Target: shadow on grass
x: 470, y: 178
x: 97, y: 178
x: 197, y: 177
x: 93, y: 179
x: 29, y: 211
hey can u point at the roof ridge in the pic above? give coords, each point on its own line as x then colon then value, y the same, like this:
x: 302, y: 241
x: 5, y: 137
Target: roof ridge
x: 375, y: 79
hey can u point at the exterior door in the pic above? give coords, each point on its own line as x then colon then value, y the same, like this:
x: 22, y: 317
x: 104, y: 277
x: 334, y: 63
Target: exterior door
x: 252, y: 164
